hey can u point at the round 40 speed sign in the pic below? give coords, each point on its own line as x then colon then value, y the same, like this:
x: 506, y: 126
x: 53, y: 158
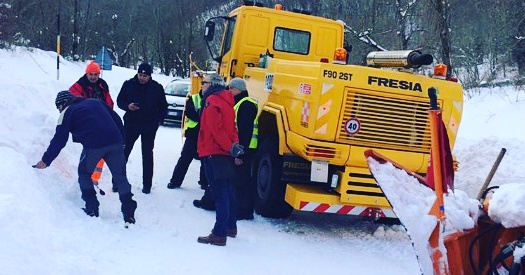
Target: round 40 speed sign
x: 352, y: 126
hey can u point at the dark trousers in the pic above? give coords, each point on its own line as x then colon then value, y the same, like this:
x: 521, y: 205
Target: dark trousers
x: 188, y: 153
x: 114, y: 157
x: 244, y: 189
x: 223, y: 194
x: 147, y: 133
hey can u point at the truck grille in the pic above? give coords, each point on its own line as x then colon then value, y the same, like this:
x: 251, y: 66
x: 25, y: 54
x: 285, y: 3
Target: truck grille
x: 391, y: 123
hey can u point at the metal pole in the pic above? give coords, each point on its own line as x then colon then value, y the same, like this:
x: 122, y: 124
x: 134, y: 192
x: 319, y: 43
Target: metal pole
x: 58, y: 40
x: 102, y: 65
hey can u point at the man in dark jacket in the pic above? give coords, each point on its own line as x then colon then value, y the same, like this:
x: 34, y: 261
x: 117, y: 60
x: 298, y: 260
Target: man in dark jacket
x: 189, y: 149
x: 217, y: 147
x: 100, y: 131
x: 145, y: 104
x: 245, y: 119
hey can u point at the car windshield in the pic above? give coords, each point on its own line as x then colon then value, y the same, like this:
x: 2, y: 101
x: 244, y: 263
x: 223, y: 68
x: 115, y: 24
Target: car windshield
x: 177, y: 88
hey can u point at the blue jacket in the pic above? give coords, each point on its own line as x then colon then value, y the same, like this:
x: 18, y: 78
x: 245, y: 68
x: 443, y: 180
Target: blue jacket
x: 91, y: 123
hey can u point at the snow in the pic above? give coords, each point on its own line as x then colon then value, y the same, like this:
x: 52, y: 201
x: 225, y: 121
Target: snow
x: 44, y: 231
x: 412, y: 202
x: 511, y: 194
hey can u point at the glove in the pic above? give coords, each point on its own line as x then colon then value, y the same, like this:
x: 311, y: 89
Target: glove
x: 236, y: 150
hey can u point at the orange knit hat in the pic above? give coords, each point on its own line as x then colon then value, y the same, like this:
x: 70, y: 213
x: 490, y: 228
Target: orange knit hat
x: 93, y: 67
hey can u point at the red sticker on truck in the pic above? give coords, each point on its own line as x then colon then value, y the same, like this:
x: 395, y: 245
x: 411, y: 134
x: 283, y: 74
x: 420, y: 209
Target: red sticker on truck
x: 305, y: 89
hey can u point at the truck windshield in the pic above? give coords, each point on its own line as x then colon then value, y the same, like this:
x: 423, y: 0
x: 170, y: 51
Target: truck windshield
x: 228, y: 35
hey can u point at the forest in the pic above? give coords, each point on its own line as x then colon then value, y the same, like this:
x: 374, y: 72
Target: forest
x: 464, y: 34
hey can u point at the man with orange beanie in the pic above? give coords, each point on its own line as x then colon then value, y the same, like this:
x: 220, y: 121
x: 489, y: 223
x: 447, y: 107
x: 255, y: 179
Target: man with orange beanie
x: 90, y: 85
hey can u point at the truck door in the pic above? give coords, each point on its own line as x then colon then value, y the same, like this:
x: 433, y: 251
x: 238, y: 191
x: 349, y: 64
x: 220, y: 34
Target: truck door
x: 218, y: 36
x: 228, y: 64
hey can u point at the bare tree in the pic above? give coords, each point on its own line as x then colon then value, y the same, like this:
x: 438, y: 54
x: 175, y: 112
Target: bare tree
x: 442, y: 27
x: 7, y: 25
x: 518, y: 48
x: 75, y: 38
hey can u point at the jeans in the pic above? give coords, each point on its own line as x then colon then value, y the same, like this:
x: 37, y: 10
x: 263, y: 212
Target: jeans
x: 224, y: 196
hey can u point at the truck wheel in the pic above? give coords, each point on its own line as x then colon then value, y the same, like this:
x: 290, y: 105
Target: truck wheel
x: 269, y: 199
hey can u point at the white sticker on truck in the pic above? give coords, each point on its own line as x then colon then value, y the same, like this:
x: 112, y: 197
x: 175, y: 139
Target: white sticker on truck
x: 319, y: 171
x: 268, y: 82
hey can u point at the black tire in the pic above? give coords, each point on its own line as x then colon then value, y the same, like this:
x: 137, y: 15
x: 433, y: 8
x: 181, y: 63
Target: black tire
x: 269, y: 198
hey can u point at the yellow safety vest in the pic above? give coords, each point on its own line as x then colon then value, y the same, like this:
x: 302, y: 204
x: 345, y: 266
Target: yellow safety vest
x: 197, y: 102
x: 255, y: 133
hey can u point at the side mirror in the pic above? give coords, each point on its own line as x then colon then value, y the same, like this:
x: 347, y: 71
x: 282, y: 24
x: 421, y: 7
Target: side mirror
x: 209, y: 31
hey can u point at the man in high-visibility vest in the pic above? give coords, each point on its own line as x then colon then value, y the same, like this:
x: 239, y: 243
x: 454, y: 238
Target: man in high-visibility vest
x: 189, y: 149
x: 246, y: 121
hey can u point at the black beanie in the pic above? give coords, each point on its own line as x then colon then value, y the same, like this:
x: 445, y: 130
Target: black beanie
x: 145, y: 68
x: 63, y: 97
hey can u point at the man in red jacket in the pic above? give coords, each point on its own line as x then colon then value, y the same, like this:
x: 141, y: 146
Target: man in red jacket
x: 218, y: 145
x: 90, y: 85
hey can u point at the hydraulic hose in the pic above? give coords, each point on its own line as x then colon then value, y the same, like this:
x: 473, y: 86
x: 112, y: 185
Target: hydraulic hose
x: 471, y: 247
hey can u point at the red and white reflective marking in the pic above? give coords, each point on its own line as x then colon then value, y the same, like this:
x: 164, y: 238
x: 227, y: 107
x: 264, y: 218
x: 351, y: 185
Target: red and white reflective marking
x: 305, y: 112
x: 347, y: 210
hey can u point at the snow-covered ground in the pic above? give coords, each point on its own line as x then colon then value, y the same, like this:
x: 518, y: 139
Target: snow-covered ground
x: 44, y: 231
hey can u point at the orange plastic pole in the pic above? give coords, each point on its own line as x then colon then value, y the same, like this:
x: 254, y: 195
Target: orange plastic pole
x: 95, y: 177
x: 439, y: 261
x: 438, y: 208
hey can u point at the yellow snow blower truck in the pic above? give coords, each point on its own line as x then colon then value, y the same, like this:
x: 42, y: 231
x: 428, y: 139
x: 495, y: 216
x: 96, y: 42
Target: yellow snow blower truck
x: 318, y: 115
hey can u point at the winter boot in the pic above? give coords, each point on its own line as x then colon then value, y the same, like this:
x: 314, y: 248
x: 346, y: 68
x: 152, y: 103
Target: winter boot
x: 146, y: 188
x: 128, y: 207
x: 232, y: 233
x: 213, y: 239
x: 90, y: 197
x: 91, y: 212
x: 206, y: 205
x: 206, y: 202
x: 128, y: 219
x: 172, y: 185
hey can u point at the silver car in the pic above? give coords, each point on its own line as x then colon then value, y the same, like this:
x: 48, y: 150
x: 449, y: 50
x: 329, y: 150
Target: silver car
x: 176, y: 93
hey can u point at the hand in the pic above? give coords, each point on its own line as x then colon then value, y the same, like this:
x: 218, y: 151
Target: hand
x: 238, y: 161
x: 40, y: 165
x: 236, y: 150
x: 133, y: 106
